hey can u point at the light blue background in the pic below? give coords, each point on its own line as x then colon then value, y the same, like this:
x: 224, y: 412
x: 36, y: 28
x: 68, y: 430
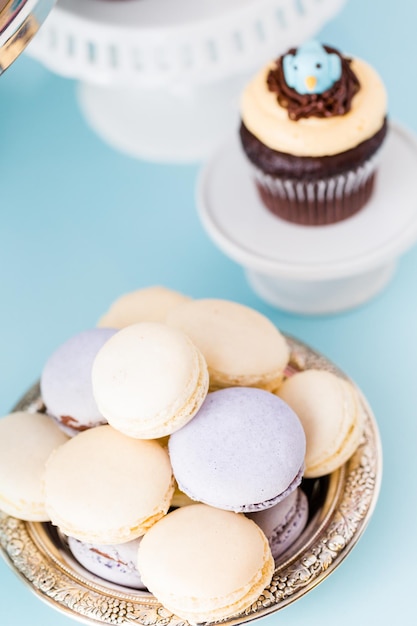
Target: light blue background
x: 80, y: 224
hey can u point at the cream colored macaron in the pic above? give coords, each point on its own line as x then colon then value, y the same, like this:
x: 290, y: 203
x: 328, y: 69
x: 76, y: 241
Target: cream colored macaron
x: 205, y: 564
x: 150, y: 304
x: 149, y: 380
x: 241, y: 346
x: 104, y: 487
x: 180, y: 498
x: 330, y: 411
x: 26, y: 441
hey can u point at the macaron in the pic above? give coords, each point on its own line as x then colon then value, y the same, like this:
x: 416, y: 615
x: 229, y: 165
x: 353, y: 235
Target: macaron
x: 26, y: 442
x: 66, y: 387
x: 115, y: 563
x: 243, y: 451
x: 330, y: 411
x: 103, y: 487
x: 241, y: 346
x: 149, y: 380
x: 217, y: 566
x: 284, y: 522
x: 180, y: 499
x: 150, y: 304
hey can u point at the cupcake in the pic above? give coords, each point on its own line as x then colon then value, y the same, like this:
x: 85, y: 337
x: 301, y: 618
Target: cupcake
x: 313, y: 123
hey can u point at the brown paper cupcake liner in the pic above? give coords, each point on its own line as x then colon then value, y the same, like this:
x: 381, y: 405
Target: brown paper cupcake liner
x: 318, y: 202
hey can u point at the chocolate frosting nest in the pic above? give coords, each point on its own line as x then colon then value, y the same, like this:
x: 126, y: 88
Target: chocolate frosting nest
x: 334, y: 101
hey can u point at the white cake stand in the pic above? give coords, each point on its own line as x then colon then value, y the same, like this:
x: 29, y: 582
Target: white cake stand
x: 316, y: 269
x: 160, y: 79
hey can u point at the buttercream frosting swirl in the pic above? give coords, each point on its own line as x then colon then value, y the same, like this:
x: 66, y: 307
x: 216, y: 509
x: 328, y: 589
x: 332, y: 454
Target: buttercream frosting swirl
x: 336, y: 100
x: 269, y: 122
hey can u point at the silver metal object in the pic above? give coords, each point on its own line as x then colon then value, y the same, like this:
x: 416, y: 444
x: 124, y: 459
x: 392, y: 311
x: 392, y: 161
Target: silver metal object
x: 341, y: 505
x: 20, y: 20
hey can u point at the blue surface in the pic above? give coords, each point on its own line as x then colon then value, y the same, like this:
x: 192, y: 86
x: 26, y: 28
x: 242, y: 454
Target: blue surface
x: 81, y: 224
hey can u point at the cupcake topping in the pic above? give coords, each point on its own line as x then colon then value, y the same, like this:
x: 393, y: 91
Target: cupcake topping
x: 311, y: 69
x: 313, y: 80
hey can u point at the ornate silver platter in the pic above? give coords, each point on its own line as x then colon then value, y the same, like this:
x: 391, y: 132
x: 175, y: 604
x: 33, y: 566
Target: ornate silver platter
x: 341, y: 505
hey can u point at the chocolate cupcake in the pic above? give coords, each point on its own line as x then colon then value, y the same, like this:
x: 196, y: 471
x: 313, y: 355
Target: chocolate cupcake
x: 312, y: 126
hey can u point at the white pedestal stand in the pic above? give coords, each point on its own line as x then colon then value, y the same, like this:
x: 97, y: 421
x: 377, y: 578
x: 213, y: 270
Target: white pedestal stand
x: 316, y: 269
x: 160, y: 79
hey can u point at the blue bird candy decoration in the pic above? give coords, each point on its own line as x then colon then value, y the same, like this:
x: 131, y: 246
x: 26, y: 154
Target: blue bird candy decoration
x: 311, y: 69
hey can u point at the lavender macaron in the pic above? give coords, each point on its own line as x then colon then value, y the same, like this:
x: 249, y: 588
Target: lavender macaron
x: 66, y: 385
x: 284, y: 522
x: 243, y: 451
x: 115, y: 563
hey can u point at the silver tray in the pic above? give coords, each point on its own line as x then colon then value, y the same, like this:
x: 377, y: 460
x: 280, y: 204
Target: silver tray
x: 341, y: 505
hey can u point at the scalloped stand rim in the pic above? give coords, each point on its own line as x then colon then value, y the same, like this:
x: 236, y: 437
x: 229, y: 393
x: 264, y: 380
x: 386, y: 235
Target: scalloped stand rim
x: 191, y: 73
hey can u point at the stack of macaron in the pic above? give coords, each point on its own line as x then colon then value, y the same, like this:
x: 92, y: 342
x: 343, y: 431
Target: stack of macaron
x: 173, y: 449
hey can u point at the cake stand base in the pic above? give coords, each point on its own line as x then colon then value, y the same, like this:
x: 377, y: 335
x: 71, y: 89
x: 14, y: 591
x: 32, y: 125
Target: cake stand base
x: 313, y: 269
x: 320, y: 297
x: 161, y: 125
